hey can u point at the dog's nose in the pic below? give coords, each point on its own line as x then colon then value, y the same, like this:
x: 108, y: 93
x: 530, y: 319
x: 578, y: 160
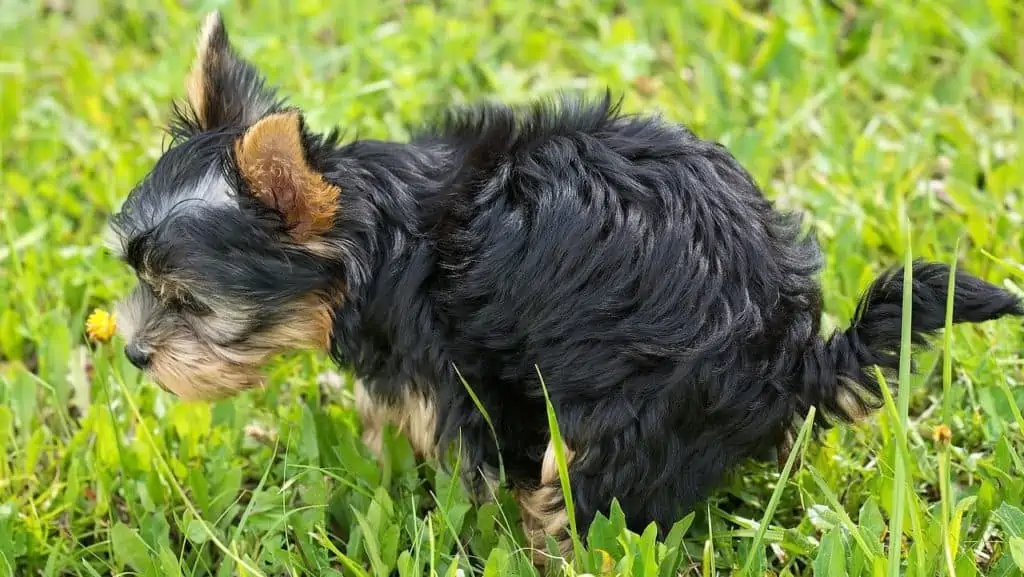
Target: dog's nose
x: 136, y: 356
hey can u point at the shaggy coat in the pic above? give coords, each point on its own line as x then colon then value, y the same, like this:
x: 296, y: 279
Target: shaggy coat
x: 672, y: 312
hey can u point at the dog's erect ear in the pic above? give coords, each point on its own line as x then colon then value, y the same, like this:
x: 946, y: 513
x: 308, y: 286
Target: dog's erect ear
x: 223, y: 89
x: 271, y: 157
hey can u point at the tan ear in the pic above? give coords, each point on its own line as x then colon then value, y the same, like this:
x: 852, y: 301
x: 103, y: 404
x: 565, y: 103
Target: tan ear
x: 222, y: 88
x: 272, y: 160
x: 206, y: 54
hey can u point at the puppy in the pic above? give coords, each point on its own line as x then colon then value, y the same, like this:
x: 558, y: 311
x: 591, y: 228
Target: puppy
x: 672, y: 312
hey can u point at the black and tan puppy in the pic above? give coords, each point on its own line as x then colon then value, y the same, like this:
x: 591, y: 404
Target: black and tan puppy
x: 672, y: 312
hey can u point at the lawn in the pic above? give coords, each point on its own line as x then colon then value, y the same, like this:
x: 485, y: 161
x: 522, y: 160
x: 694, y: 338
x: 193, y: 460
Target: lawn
x: 895, y: 125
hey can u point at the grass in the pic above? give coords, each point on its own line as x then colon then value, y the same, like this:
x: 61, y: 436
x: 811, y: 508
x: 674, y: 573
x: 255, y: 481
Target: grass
x: 894, y: 125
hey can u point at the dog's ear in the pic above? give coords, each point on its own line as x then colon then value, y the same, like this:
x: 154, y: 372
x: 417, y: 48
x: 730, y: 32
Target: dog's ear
x: 271, y: 158
x: 223, y: 89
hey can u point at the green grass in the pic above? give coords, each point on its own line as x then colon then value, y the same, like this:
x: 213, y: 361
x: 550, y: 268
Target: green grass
x: 893, y: 125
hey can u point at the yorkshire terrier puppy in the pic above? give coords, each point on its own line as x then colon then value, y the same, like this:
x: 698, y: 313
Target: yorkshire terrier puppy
x: 672, y: 312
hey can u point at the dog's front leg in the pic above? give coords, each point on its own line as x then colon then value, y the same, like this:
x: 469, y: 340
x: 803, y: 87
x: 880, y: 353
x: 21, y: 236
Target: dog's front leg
x: 411, y: 414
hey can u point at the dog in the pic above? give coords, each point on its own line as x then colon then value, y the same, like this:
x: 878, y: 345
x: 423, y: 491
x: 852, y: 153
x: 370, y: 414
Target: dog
x: 616, y: 264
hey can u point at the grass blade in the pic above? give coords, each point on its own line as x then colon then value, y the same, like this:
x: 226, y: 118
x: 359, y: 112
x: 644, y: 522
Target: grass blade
x: 901, y: 478
x: 798, y: 447
x: 843, y: 515
x: 708, y: 554
x: 947, y: 341
x: 947, y: 416
x: 563, y: 468
x: 168, y: 473
x: 487, y: 418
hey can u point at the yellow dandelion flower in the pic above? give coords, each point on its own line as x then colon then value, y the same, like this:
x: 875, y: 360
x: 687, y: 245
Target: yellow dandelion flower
x: 101, y: 325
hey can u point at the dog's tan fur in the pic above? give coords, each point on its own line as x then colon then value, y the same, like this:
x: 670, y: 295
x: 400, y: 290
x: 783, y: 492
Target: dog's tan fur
x: 414, y: 416
x: 194, y: 368
x: 543, y: 509
x: 195, y: 82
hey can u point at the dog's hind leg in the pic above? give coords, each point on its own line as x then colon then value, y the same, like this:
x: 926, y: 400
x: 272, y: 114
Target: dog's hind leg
x: 656, y: 474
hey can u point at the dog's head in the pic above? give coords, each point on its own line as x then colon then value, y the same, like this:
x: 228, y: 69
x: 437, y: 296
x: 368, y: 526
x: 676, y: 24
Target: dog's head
x: 227, y: 234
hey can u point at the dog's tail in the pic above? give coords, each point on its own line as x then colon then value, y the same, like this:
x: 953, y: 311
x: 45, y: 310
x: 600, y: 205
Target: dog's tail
x: 837, y: 375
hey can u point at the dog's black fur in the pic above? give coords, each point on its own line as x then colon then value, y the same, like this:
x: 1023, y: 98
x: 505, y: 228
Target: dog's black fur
x: 672, y: 312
